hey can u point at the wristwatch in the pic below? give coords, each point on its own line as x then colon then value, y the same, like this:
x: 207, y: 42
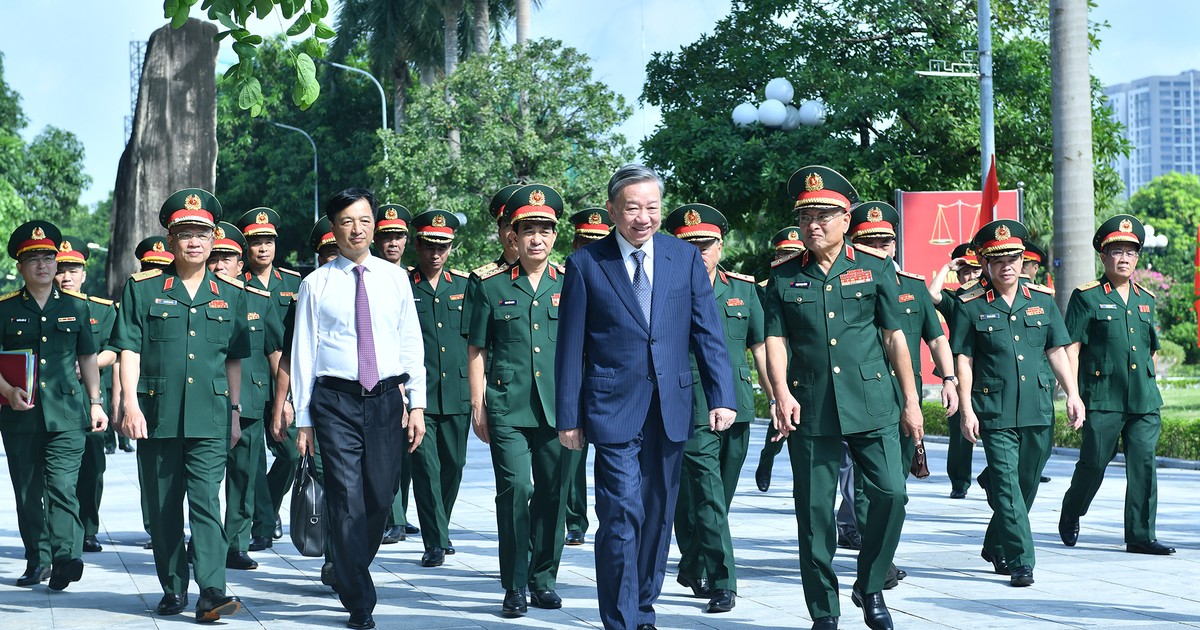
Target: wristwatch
x: 96, y: 401
x: 237, y: 408
x: 950, y: 379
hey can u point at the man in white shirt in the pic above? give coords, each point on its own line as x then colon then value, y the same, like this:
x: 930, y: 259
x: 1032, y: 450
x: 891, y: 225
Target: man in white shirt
x: 356, y: 349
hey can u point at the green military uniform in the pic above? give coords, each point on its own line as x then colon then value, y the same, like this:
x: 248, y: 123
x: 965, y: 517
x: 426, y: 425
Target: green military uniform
x: 591, y: 224
x: 517, y: 326
x: 184, y: 342
x: 839, y: 375
x: 959, y: 450
x: 712, y: 461
x: 438, y: 461
x: 1118, y: 385
x: 1007, y: 344
x: 271, y: 485
x: 44, y: 444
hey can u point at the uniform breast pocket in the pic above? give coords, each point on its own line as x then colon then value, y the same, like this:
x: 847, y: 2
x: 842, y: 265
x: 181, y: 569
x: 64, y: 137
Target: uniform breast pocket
x: 737, y: 321
x: 991, y: 335
x: 218, y: 326
x: 258, y: 336
x: 497, y: 392
x: 1036, y: 327
x: 986, y: 399
x: 508, y: 324
x: 284, y: 301
x: 1146, y: 322
x: 552, y: 323
x: 165, y: 322
x: 1094, y: 380
x: 1107, y: 323
x: 858, y: 302
x: 910, y: 320
x: 801, y: 308
x: 455, y: 316
x: 65, y: 335
x: 877, y: 387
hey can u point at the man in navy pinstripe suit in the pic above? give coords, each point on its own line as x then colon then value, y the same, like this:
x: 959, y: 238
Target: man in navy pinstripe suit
x: 634, y: 305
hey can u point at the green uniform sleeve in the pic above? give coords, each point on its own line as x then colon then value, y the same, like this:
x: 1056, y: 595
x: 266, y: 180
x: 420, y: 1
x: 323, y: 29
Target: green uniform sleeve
x: 1078, y: 316
x: 962, y: 334
x: 273, y: 339
x: 239, y: 341
x: 289, y: 327
x: 108, y: 321
x: 931, y: 328
x: 128, y: 329
x: 85, y: 342
x: 947, y: 306
x: 1058, y: 335
x: 773, y: 324
x: 480, y: 309
x: 1153, y: 330
x: 887, y: 298
x: 755, y: 333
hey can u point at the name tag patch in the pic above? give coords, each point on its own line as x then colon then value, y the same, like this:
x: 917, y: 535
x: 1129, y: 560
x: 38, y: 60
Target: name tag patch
x: 734, y: 302
x: 165, y: 301
x: 1035, y: 310
x: 287, y: 293
x: 554, y: 299
x: 66, y: 319
x: 855, y: 276
x: 508, y: 303
x: 218, y: 304
x: 20, y: 320
x: 1145, y: 308
x: 907, y: 297
x: 799, y: 285
x: 1112, y: 307
x: 457, y: 296
x: 989, y: 316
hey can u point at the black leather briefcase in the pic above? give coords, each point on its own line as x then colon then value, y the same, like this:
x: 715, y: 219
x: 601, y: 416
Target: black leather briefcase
x: 309, y: 519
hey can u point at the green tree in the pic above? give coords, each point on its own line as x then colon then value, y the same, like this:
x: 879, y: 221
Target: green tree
x: 54, y: 176
x: 567, y: 139
x: 887, y: 128
x: 12, y: 157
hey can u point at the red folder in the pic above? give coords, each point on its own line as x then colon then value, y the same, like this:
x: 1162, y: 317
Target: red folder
x: 19, y: 368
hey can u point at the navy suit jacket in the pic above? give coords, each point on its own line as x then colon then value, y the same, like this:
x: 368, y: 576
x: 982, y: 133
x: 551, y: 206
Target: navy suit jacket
x: 609, y: 362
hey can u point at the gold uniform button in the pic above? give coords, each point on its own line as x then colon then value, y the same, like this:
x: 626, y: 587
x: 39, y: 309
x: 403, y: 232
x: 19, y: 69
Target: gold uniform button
x: 1134, y: 348
x: 192, y: 333
x: 1097, y: 372
x: 443, y: 348
x: 830, y: 314
x: 837, y: 370
x: 535, y: 302
x: 1013, y: 317
x: 151, y: 392
x: 1016, y: 337
x: 535, y: 326
x: 42, y: 361
x: 508, y: 317
x: 858, y: 294
x: 799, y: 299
x: 537, y: 349
x: 193, y: 310
x: 795, y: 383
x: 437, y: 300
x: 43, y: 319
x: 1129, y: 312
x: 43, y: 383
x: 190, y: 381
x: 1110, y: 318
x: 1020, y: 357
x: 43, y: 340
x: 833, y: 342
x: 443, y: 375
x: 828, y: 287
x: 908, y: 311
x: 164, y: 314
x: 989, y: 329
x: 191, y: 355
x: 220, y: 318
x: 1133, y: 367
x: 252, y: 328
x: 537, y: 374
x: 1022, y: 377
x: 1130, y: 330
x: 439, y: 324
x: 985, y: 390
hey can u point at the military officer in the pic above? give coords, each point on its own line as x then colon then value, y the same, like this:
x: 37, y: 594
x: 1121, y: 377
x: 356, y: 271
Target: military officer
x: 508, y: 253
x: 712, y: 461
x: 964, y: 263
x: 183, y: 333
x: 152, y: 253
x: 785, y: 243
x: 439, y: 293
x: 1112, y: 325
x: 259, y: 230
x: 243, y: 470
x: 591, y: 224
x: 1002, y: 329
x: 43, y: 427
x: 1031, y: 261
x: 511, y: 352
x: 72, y: 256
x: 836, y: 308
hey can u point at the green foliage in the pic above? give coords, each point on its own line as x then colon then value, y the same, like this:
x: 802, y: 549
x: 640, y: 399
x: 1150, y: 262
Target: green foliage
x: 531, y: 113
x: 242, y: 77
x: 887, y: 128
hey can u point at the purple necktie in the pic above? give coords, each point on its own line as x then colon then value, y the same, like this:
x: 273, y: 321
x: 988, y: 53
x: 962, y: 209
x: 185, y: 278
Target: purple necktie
x: 368, y: 370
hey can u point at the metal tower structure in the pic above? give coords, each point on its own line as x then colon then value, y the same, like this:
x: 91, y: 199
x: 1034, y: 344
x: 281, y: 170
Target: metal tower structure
x: 137, y: 54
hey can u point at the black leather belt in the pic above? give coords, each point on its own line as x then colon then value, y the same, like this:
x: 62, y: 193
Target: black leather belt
x: 356, y: 388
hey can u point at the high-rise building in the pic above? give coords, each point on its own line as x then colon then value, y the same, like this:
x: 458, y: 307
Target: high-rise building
x: 1162, y: 119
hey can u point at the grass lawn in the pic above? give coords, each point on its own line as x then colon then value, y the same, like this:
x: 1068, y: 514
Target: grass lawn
x: 1181, y: 403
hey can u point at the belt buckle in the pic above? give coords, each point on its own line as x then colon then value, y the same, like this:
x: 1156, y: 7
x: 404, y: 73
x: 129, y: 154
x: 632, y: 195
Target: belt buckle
x: 364, y: 392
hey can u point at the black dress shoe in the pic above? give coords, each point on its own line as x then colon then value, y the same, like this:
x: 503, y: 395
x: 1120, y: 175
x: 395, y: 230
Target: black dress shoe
x: 411, y: 529
x: 328, y: 577
x: 850, y: 540
x: 762, y: 476
x: 1044, y: 479
x: 958, y: 494
x: 450, y: 549
x: 278, y: 533
x: 1021, y: 576
x: 999, y: 564
x: 986, y: 484
x: 213, y: 604
x: 825, y: 623
x: 172, y: 604
x: 700, y: 588
x: 900, y: 573
x: 574, y: 537
x: 514, y: 602
x: 1153, y: 548
x: 393, y: 535
x: 109, y: 450
x: 149, y: 544
x: 128, y: 448
x: 65, y: 573
x: 240, y: 560
x: 433, y: 557
x: 892, y: 579
x: 545, y: 598
x: 91, y: 545
x: 259, y: 543
x: 1068, y: 529
x: 34, y: 574
x: 360, y: 618
x: 875, y: 612
x: 723, y: 600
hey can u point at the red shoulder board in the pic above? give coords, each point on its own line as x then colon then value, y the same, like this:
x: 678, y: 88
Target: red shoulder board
x: 909, y: 274
x: 786, y: 258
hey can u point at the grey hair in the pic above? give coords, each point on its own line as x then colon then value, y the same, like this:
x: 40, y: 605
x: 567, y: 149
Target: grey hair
x: 632, y: 174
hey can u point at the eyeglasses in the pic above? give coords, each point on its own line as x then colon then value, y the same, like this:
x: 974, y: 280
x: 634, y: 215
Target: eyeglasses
x: 822, y: 219
x: 1131, y: 254
x: 42, y: 259
x: 191, y: 236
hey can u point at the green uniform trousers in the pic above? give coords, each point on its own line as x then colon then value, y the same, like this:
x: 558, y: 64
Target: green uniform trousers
x: 1139, y: 436
x: 173, y: 468
x: 241, y: 483
x: 90, y: 488
x: 44, y: 468
x: 958, y: 455
x: 712, y: 463
x: 530, y: 509
x: 437, y: 473
x: 1015, y: 459
x: 577, y: 492
x: 274, y: 484
x: 815, y: 462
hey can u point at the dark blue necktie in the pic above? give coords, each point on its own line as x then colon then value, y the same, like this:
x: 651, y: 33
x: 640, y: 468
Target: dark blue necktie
x: 641, y: 284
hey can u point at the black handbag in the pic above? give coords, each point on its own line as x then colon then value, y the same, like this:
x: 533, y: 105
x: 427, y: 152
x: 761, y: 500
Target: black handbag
x: 308, y: 519
x: 920, y: 464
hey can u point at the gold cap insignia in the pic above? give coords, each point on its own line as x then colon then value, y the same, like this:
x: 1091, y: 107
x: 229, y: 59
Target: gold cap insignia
x: 813, y: 182
x: 691, y: 217
x: 38, y: 234
x: 793, y: 236
x: 438, y: 221
x: 64, y: 247
x: 595, y: 219
x: 1003, y: 233
x: 262, y: 218
x: 390, y: 214
x: 192, y: 203
x: 158, y: 246
x: 874, y: 215
x: 219, y: 233
x: 1126, y: 225
x: 537, y: 198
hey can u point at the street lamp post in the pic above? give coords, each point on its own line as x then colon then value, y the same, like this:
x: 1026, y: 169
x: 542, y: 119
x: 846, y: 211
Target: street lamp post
x: 382, y: 95
x: 777, y: 112
x: 316, y: 181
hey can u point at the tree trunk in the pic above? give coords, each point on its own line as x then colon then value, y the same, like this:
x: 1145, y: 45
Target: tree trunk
x: 1071, y: 115
x: 523, y: 11
x: 482, y: 27
x: 451, y: 12
x: 401, y: 79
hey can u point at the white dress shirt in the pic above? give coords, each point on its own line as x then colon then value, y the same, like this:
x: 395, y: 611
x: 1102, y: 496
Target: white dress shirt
x: 325, y: 342
x: 627, y: 249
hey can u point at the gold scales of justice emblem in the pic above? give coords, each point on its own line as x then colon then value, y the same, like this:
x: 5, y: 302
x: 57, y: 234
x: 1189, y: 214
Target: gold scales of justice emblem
x: 942, y: 235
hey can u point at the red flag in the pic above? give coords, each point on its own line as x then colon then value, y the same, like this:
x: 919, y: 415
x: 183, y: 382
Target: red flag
x: 1049, y: 280
x: 991, y: 193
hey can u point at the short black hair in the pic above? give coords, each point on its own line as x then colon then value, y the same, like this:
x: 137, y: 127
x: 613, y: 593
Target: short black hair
x: 345, y: 198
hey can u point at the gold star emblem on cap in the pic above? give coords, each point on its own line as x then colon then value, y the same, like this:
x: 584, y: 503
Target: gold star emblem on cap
x: 691, y: 217
x: 813, y: 182
x: 390, y: 214
x: 1003, y: 233
x: 595, y: 219
x: 537, y: 198
x: 874, y: 215
x: 219, y: 233
x: 1126, y: 225
x: 38, y: 234
x: 64, y: 247
x: 793, y: 236
x: 158, y: 246
x: 192, y: 202
x: 261, y: 218
x: 438, y: 221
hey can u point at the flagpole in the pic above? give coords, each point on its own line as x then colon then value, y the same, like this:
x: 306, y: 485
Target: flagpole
x: 987, y: 132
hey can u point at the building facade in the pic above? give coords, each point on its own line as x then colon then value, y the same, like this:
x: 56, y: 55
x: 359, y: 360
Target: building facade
x: 1161, y: 116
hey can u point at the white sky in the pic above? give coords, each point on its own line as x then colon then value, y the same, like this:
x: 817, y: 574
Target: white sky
x: 69, y: 59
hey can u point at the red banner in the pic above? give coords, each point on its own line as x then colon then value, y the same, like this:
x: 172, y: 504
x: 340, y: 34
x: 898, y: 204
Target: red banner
x: 933, y: 223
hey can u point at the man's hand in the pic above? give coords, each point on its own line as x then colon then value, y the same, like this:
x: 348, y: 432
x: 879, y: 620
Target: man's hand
x: 787, y: 415
x: 950, y: 399
x: 721, y: 418
x: 572, y: 439
x: 235, y: 430
x: 970, y: 426
x: 416, y: 428
x: 304, y: 441
x: 134, y: 424
x: 912, y: 423
x: 1076, y: 412
x: 18, y: 399
x: 479, y: 423
x: 282, y: 421
x: 99, y: 419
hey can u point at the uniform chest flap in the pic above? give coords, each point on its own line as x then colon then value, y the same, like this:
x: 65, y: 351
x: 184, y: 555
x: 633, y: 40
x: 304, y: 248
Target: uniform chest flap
x: 508, y: 321
x: 165, y: 321
x: 801, y: 308
x: 737, y: 319
x: 219, y: 322
x: 858, y: 301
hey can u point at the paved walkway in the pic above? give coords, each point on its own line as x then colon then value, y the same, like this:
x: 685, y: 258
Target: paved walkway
x: 1096, y: 584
